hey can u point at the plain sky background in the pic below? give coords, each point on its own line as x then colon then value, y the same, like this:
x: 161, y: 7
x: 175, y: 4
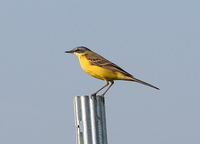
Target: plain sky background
x: 156, y: 41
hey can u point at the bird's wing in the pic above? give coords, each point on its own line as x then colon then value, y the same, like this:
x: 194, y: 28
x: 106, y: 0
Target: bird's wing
x: 100, y: 61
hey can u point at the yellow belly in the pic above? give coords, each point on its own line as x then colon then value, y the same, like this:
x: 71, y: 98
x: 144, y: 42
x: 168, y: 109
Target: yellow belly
x: 99, y: 72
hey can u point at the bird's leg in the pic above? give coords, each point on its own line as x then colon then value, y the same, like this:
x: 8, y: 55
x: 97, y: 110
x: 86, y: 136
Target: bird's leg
x: 94, y: 94
x: 102, y: 96
x: 112, y: 82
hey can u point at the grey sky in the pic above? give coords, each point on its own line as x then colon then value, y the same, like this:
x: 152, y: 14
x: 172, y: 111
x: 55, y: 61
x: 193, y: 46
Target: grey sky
x: 155, y: 41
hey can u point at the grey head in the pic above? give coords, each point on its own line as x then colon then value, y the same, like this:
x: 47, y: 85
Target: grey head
x: 79, y: 49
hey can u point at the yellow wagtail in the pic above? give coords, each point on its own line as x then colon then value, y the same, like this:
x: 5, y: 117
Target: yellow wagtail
x: 101, y: 68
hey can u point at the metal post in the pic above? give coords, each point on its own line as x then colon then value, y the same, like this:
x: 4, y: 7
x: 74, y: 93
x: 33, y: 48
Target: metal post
x: 90, y: 120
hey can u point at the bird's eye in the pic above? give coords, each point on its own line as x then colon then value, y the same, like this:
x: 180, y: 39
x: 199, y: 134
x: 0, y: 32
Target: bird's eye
x: 77, y: 50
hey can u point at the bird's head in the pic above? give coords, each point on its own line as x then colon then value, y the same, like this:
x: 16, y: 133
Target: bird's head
x: 78, y: 50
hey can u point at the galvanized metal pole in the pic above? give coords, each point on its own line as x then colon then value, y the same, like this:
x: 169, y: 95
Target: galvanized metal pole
x: 90, y: 120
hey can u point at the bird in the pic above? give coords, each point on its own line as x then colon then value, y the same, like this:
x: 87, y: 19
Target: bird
x: 103, y: 69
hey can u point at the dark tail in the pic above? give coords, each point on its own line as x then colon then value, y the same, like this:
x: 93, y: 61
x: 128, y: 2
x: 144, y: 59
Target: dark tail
x: 142, y: 82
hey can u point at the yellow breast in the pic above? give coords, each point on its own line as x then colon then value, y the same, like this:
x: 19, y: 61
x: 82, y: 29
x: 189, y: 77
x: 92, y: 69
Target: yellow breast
x: 96, y: 71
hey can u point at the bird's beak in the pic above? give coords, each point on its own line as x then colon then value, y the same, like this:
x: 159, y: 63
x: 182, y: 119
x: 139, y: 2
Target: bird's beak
x: 69, y: 51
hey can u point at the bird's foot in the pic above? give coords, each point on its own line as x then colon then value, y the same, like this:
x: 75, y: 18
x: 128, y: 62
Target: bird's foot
x: 93, y: 96
x: 103, y: 99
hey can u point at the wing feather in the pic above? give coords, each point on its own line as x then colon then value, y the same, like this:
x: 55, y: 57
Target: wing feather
x: 100, y: 61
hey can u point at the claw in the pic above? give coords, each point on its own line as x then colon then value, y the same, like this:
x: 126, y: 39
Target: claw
x: 93, y: 96
x: 103, y: 99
